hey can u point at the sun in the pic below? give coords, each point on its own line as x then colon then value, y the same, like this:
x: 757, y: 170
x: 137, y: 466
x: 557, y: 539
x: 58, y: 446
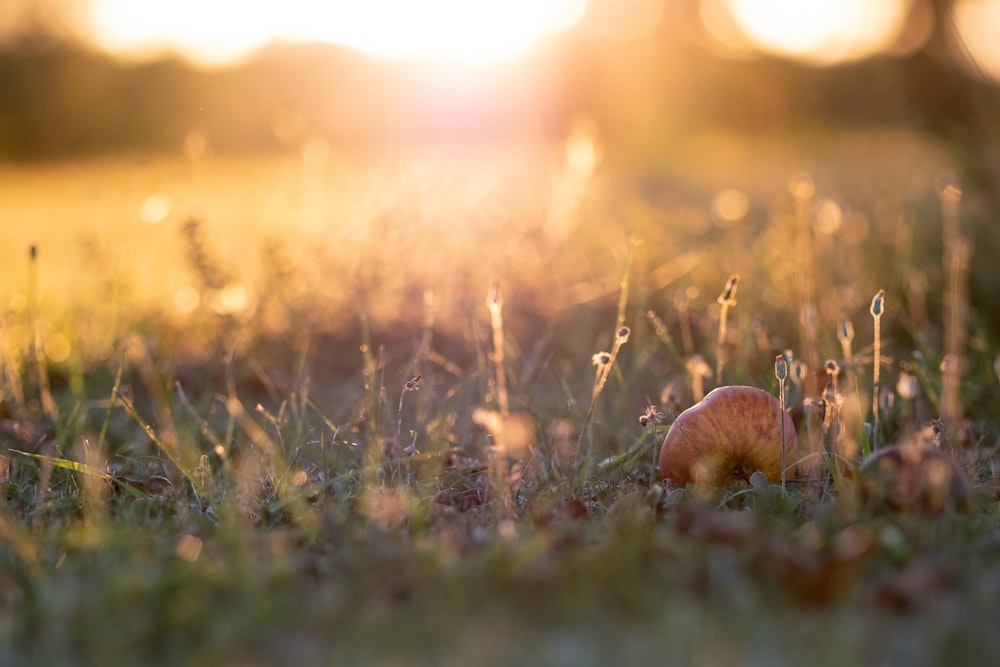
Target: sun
x: 820, y: 31
x: 223, y: 31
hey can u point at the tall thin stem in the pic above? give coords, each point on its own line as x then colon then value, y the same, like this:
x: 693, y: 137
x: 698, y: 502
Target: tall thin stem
x: 803, y: 190
x: 726, y: 300
x: 845, y: 333
x: 495, y: 304
x: 877, y: 308
x: 781, y: 372
x: 604, y: 361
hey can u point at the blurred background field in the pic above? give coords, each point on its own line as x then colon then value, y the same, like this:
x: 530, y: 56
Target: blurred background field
x: 290, y: 187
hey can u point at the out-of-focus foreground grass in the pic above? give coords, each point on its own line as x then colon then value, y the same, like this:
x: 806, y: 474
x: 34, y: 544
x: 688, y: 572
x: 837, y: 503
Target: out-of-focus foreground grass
x: 246, y: 406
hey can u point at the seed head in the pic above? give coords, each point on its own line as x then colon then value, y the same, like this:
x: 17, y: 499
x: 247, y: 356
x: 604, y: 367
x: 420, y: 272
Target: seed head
x: 651, y: 416
x: 845, y: 331
x: 494, y: 300
x: 886, y: 399
x: 728, y: 296
x: 696, y: 365
x: 878, y: 304
x: 799, y: 372
x: 780, y: 367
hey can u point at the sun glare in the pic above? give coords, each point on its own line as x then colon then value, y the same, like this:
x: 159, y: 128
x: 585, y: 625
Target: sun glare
x: 820, y: 31
x: 223, y: 31
x: 978, y: 24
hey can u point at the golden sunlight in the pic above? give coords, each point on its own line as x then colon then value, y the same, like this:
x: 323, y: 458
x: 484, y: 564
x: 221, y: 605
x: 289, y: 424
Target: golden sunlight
x: 978, y: 24
x: 821, y: 32
x: 224, y: 31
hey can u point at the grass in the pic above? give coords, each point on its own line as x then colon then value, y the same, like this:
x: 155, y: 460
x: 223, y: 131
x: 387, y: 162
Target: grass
x: 290, y: 423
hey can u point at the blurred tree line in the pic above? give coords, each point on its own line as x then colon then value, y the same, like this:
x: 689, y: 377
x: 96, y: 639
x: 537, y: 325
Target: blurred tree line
x: 60, y: 100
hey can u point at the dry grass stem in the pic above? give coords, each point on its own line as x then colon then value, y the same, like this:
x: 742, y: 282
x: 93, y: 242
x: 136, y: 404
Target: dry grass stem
x: 845, y: 334
x: 957, y: 252
x: 650, y: 419
x: 833, y: 373
x: 781, y: 373
x: 36, y: 350
x: 661, y: 331
x: 726, y: 300
x: 604, y: 361
x: 803, y: 190
x: 877, y: 309
x: 681, y: 304
x: 413, y: 384
x: 494, y: 302
x: 698, y: 369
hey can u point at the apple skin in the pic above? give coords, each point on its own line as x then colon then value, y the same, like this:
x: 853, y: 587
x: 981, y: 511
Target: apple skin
x: 726, y: 437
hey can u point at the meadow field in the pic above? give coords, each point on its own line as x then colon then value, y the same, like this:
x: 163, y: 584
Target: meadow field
x: 251, y: 402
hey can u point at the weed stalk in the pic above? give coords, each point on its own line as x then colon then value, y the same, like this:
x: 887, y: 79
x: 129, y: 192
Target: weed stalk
x: 605, y: 361
x: 956, y: 266
x: 36, y: 351
x: 413, y: 384
x: 652, y: 418
x: 726, y: 300
x: 877, y: 309
x: 494, y: 302
x: 803, y: 189
x: 845, y: 334
x: 781, y: 373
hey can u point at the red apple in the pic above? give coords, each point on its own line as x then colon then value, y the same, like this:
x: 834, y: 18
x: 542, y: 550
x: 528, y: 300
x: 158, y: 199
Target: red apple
x: 726, y: 437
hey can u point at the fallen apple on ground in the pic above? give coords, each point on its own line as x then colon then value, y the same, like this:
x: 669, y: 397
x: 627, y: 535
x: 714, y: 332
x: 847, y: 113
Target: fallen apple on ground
x: 730, y: 434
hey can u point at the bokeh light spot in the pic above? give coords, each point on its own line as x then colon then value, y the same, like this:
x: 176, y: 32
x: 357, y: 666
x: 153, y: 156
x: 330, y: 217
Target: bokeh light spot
x: 186, y: 299
x: 583, y: 151
x: 978, y: 25
x: 231, y: 299
x: 821, y: 32
x: 729, y: 207
x: 155, y: 208
x: 225, y: 31
x: 623, y: 20
x: 189, y: 548
x: 57, y: 348
x: 802, y: 186
x: 212, y: 33
x: 828, y: 218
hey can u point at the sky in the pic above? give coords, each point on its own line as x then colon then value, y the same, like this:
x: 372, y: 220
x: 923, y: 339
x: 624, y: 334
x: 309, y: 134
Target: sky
x: 221, y: 32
